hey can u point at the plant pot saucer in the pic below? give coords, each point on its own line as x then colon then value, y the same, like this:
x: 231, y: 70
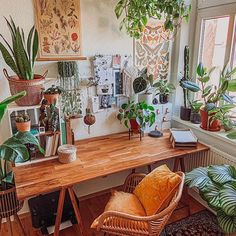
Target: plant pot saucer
x: 211, y: 129
x: 155, y: 134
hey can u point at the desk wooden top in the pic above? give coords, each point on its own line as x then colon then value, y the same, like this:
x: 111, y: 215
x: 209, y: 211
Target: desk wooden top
x: 98, y: 157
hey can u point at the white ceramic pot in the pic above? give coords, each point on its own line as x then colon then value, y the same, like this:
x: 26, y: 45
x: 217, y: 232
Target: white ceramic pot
x: 145, y: 98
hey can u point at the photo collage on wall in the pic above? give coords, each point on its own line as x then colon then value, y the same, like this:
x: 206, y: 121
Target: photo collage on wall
x: 108, y: 78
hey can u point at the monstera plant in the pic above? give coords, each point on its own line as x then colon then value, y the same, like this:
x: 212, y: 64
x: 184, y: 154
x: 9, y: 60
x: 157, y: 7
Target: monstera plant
x: 217, y: 186
x: 136, y: 14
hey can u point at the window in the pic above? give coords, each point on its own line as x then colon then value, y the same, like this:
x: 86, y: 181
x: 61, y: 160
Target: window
x: 216, y: 37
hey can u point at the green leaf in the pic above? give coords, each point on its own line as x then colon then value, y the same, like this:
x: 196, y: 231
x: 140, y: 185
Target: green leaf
x: 29, y: 42
x: 232, y: 86
x: 3, y: 108
x: 200, y: 70
x: 222, y: 174
x: 204, y: 79
x: 193, y: 87
x: 231, y: 135
x: 206, y: 91
x: 227, y: 223
x: 139, y: 84
x: 35, y: 46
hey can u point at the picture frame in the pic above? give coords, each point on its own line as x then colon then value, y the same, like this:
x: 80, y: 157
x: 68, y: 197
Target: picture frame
x: 59, y: 28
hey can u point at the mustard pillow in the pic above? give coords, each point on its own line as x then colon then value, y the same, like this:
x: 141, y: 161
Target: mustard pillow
x: 157, y: 189
x: 123, y: 202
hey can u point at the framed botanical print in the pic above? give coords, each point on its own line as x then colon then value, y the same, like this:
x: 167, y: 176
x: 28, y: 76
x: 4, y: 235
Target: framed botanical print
x: 58, y: 24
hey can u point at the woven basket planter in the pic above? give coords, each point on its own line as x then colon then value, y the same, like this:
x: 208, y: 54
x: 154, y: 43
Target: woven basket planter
x: 9, y: 204
x: 67, y: 153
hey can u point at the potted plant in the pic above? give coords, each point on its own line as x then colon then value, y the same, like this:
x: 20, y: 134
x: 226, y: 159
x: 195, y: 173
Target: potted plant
x: 11, y: 151
x: 217, y: 186
x: 20, y: 57
x: 185, y: 111
x: 211, y: 95
x: 23, y: 123
x: 195, y: 111
x: 52, y: 94
x: 136, y: 116
x: 136, y: 14
x: 144, y: 83
x: 221, y: 113
x: 163, y: 89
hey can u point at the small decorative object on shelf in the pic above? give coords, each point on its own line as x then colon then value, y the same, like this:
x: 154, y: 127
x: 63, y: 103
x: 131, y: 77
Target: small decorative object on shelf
x: 89, y: 119
x: 22, y: 64
x: 185, y: 111
x: 136, y: 116
x: 54, y: 119
x: 52, y: 94
x: 155, y: 133
x: 70, y: 82
x: 23, y: 123
x: 43, y: 118
x: 66, y: 153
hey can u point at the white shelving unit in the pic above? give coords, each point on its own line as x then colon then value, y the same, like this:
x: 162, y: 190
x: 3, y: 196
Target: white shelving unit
x: 34, y: 113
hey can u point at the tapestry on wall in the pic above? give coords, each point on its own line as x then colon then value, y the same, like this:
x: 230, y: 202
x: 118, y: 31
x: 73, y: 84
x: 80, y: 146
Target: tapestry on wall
x: 58, y: 25
x: 152, y: 50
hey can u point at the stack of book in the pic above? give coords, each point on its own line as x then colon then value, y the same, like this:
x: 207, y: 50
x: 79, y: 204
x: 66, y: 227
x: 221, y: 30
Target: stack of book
x: 183, y: 138
x: 51, y: 144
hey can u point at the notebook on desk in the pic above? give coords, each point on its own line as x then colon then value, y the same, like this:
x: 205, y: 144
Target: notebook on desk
x: 183, y: 138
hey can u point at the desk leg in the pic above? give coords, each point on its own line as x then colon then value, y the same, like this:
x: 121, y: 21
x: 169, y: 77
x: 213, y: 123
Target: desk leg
x: 76, y: 210
x: 179, y: 161
x: 59, y: 211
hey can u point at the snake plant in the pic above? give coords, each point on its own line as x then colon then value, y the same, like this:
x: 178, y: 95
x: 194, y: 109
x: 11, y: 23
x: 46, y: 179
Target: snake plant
x: 217, y: 186
x: 21, y: 55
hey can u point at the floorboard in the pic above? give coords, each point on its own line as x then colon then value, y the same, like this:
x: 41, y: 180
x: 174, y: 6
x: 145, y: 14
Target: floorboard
x: 93, y: 207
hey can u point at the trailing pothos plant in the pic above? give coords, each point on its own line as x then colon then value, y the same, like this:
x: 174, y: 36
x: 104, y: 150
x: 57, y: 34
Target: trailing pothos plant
x: 141, y: 112
x: 136, y: 14
x: 217, y: 186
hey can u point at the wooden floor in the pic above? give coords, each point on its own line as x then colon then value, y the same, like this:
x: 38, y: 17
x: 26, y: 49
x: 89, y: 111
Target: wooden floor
x: 93, y: 207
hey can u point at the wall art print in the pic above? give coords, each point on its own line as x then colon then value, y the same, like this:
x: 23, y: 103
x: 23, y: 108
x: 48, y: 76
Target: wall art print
x: 58, y: 25
x: 152, y: 50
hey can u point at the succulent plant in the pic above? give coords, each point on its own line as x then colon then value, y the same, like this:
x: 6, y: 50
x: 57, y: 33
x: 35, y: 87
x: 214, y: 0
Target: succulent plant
x: 22, y: 118
x: 54, y: 90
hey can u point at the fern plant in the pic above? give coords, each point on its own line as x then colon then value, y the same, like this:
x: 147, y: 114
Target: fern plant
x: 217, y: 186
x: 21, y: 55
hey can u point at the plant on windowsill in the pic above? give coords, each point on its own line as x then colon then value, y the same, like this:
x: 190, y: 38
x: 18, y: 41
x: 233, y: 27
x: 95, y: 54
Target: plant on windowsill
x: 52, y: 94
x: 136, y: 13
x: 23, y: 123
x: 20, y: 57
x: 185, y: 111
x: 213, y: 96
x: 195, y: 111
x: 11, y: 151
x: 217, y: 186
x: 136, y: 116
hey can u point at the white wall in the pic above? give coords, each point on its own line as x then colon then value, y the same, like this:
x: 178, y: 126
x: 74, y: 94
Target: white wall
x: 100, y: 34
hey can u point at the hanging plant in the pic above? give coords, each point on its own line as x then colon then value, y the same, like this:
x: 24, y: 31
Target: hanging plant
x: 136, y: 14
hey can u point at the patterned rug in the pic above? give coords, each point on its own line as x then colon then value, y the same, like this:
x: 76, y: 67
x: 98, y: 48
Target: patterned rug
x: 203, y: 223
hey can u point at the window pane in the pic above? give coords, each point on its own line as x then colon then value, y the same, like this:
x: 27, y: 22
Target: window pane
x: 213, y: 41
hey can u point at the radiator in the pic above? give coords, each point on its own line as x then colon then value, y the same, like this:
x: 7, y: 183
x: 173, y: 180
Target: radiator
x: 212, y: 157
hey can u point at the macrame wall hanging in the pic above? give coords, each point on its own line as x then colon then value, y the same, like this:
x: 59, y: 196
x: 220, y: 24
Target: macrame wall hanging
x: 70, y: 82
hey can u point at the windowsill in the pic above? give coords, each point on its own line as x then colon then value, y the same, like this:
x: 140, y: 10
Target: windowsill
x: 220, y: 135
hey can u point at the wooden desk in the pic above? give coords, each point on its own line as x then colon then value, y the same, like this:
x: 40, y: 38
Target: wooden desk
x: 98, y: 157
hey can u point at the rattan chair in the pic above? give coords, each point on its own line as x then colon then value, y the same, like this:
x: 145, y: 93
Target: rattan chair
x: 116, y: 223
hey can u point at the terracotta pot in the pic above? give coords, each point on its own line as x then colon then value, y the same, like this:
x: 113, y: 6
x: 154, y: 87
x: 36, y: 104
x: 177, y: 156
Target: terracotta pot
x: 163, y: 98
x: 207, y: 123
x: 195, y: 118
x: 33, y: 88
x: 51, y: 98
x: 134, y: 126
x: 185, y: 113
x: 23, y: 126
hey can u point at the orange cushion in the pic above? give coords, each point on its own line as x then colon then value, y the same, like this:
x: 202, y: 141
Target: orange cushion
x: 157, y: 189
x: 123, y: 202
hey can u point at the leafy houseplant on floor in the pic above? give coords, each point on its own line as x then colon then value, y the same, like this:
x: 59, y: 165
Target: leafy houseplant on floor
x: 185, y: 111
x: 23, y: 123
x: 163, y: 89
x: 20, y: 57
x: 52, y: 94
x: 217, y: 186
x: 136, y: 14
x: 144, y: 83
x: 211, y: 95
x: 136, y: 116
x: 195, y: 114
